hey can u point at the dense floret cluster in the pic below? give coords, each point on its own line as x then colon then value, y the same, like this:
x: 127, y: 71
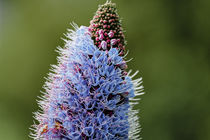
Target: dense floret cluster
x: 88, y: 94
x: 106, y: 28
x: 86, y: 97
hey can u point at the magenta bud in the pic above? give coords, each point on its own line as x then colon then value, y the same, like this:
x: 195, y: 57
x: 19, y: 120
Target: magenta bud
x: 89, y: 29
x: 97, y: 38
x: 123, y: 65
x: 101, y: 37
x: 100, y: 31
x: 113, y: 42
x: 121, y: 53
x: 104, y: 45
x: 88, y: 33
x: 125, y: 73
x: 111, y: 34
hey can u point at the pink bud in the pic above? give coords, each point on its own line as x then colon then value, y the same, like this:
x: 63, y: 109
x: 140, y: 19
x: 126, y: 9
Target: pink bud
x: 113, y: 42
x: 105, y: 21
x: 101, y: 37
x: 121, y: 53
x: 105, y: 26
x: 111, y: 34
x: 105, y: 34
x: 101, y: 31
x: 108, y: 41
x: 89, y: 29
x: 88, y: 33
x: 123, y: 65
x: 104, y: 45
x: 125, y: 73
x: 97, y: 38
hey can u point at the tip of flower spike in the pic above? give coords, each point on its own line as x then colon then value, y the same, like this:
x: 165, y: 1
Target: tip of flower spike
x: 109, y: 3
x: 106, y: 27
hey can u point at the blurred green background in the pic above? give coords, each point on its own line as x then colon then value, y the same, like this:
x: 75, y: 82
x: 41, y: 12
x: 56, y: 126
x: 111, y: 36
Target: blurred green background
x: 168, y: 39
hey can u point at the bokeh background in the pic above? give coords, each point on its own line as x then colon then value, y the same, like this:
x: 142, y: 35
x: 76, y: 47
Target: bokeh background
x: 168, y: 39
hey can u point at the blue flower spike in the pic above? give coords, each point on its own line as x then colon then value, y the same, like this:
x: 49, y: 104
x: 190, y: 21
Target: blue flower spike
x: 88, y: 94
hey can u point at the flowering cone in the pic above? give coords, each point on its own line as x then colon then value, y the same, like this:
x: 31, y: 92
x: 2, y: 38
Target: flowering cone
x: 88, y: 94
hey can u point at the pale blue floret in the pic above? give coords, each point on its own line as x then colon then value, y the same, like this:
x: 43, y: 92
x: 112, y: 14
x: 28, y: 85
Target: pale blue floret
x: 85, y: 93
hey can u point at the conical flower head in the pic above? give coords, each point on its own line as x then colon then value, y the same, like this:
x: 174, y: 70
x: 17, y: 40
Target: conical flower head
x: 86, y: 96
x: 106, y: 28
